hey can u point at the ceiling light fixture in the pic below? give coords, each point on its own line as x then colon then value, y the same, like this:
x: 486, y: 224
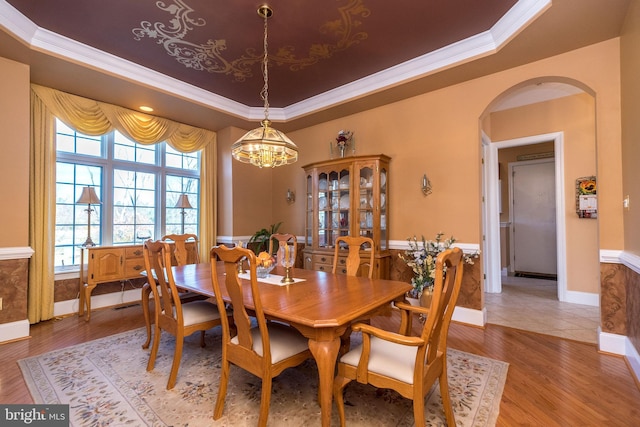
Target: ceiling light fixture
x: 265, y: 146
x: 146, y: 109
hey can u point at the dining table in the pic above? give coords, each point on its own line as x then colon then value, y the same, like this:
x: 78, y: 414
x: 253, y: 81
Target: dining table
x: 322, y: 306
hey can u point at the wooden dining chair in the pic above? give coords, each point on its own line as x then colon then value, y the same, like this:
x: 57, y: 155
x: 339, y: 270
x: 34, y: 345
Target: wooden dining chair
x: 185, y: 248
x: 282, y: 238
x: 353, y: 265
x: 264, y: 350
x: 185, y: 251
x: 408, y: 364
x: 171, y: 315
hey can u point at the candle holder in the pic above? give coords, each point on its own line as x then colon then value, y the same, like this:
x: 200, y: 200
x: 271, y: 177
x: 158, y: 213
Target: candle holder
x: 287, y: 258
x: 240, y: 265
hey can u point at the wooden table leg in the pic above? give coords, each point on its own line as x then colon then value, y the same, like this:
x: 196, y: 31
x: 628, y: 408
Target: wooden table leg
x: 326, y: 355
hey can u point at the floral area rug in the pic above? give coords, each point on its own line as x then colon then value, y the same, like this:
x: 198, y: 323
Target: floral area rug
x: 105, y: 382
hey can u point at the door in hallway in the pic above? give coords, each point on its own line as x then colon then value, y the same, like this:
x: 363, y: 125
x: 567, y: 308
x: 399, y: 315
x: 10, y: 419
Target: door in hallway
x: 533, y: 222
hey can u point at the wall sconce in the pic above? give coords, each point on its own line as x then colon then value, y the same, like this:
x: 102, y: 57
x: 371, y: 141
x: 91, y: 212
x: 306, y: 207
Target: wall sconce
x: 88, y: 197
x: 426, y: 185
x: 291, y: 196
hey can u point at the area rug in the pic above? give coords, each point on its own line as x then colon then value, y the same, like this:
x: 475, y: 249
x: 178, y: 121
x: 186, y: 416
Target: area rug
x: 105, y: 382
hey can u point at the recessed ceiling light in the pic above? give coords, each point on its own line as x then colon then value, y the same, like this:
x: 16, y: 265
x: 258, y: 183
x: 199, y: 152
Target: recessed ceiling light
x: 146, y: 109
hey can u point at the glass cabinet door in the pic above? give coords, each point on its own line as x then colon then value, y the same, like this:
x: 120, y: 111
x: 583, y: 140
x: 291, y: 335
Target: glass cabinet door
x: 308, y: 232
x: 334, y: 188
x: 366, y: 203
x: 384, y: 236
x: 323, y: 209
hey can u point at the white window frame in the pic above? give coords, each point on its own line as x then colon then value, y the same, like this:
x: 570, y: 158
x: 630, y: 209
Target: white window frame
x: 108, y: 165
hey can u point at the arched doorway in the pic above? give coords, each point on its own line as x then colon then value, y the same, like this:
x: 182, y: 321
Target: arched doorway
x: 540, y: 100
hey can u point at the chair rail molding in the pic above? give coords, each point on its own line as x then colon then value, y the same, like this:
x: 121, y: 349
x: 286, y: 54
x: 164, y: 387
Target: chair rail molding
x: 631, y: 260
x: 18, y: 252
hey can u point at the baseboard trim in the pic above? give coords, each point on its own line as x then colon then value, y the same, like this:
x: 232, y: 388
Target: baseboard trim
x: 14, y: 330
x: 470, y: 316
x: 621, y: 345
x: 99, y: 301
x: 584, y: 298
x: 612, y: 343
x: 633, y: 358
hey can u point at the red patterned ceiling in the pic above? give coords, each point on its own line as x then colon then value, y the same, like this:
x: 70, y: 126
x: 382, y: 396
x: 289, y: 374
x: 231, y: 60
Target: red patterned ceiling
x: 324, y: 53
x: 314, y: 45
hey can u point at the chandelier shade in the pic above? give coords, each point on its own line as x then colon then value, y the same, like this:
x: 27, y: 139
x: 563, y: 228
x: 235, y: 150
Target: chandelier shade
x: 265, y: 146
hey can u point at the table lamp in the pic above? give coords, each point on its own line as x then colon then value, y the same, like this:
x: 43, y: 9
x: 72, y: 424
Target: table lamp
x: 88, y: 197
x: 183, y: 203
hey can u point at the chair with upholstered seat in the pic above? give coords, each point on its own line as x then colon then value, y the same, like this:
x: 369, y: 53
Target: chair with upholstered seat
x: 353, y: 265
x: 171, y: 315
x: 184, y: 248
x: 408, y: 364
x: 262, y: 348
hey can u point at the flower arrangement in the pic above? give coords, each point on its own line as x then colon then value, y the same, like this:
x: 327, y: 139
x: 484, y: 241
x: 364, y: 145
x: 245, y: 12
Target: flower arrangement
x: 343, y: 141
x: 422, y: 260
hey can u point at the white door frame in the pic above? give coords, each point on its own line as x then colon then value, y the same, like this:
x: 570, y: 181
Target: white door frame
x: 491, y: 215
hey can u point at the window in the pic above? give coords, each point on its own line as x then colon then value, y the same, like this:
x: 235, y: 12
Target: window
x: 138, y: 186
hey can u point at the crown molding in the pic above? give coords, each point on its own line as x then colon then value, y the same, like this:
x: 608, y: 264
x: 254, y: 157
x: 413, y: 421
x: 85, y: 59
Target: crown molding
x: 483, y: 44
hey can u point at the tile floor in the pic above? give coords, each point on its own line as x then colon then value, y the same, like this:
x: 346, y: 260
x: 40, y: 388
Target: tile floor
x: 532, y: 305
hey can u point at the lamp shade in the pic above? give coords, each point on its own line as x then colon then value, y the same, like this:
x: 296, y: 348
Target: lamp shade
x: 183, y: 202
x: 88, y: 197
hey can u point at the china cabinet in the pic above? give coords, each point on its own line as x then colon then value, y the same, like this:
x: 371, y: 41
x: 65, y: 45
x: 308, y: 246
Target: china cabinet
x: 347, y: 196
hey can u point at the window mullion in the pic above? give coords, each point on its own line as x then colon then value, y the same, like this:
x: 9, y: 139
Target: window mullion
x: 172, y: 173
x: 107, y: 203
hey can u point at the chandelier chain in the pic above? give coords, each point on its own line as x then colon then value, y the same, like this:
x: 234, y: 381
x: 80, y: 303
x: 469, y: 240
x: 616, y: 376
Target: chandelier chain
x: 265, y: 73
x: 265, y: 146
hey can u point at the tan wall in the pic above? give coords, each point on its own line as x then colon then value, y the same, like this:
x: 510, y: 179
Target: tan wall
x: 244, y: 191
x: 438, y: 133
x: 14, y: 160
x: 575, y: 117
x: 224, y: 188
x: 630, y: 83
x: 435, y: 133
x: 630, y: 88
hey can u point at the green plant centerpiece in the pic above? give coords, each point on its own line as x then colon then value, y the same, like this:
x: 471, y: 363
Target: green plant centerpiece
x: 422, y: 260
x: 259, y: 241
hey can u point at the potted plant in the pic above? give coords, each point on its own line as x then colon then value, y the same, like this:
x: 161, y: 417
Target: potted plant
x: 259, y: 241
x: 422, y: 260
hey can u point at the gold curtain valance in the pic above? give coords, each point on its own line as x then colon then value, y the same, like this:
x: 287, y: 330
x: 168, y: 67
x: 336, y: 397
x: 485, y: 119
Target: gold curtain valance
x: 97, y: 118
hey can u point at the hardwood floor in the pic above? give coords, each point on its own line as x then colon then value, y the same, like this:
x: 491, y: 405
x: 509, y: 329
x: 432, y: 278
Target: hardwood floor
x: 551, y: 381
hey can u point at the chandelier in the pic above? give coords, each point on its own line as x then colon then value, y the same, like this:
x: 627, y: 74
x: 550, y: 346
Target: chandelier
x: 265, y: 146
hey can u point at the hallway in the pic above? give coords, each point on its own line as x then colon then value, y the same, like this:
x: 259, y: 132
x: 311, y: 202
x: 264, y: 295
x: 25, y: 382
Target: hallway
x: 532, y: 305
